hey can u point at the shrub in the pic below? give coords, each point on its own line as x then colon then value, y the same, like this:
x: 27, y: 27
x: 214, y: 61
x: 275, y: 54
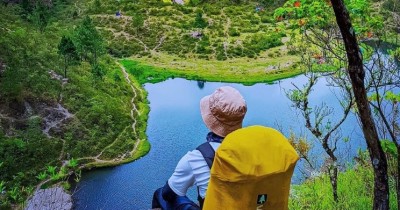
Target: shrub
x: 254, y: 19
x: 267, y: 19
x: 259, y: 42
x: 185, y: 10
x: 199, y: 21
x: 211, y: 9
x: 234, y: 32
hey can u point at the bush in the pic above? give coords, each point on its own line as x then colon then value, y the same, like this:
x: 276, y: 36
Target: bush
x: 355, y: 191
x: 259, y: 42
x: 199, y: 21
x: 234, y: 32
x: 211, y: 9
x: 267, y: 19
x: 185, y: 10
x: 254, y: 19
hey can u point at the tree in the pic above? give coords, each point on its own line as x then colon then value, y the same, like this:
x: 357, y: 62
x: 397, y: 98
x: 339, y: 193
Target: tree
x: 67, y: 49
x: 199, y: 21
x: 382, y: 79
x: 89, y: 43
x: 318, y: 123
x: 356, y: 72
x: 97, y: 5
x: 336, y: 47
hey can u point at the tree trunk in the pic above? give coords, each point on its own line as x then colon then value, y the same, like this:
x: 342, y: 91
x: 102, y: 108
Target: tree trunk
x: 357, y: 74
x: 398, y: 177
x: 333, y: 176
x: 333, y: 168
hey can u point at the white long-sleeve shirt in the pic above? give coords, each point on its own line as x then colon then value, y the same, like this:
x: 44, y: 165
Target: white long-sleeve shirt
x: 191, y: 170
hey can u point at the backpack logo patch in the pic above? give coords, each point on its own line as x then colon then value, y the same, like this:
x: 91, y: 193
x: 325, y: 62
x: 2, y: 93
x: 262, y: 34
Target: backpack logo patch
x: 261, y: 199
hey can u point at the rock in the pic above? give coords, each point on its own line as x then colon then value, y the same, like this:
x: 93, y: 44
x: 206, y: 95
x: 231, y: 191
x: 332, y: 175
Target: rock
x: 54, y: 118
x: 49, y: 199
x: 54, y: 75
x: 181, y: 2
x: 197, y: 34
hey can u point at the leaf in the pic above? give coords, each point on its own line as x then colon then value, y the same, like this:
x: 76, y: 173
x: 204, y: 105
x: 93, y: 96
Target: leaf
x: 389, y: 147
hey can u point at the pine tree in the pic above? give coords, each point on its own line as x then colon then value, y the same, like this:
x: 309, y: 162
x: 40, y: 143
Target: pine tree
x: 88, y: 40
x: 67, y: 49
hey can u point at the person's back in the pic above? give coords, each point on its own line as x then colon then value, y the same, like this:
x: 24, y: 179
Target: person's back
x: 222, y: 112
x: 252, y: 169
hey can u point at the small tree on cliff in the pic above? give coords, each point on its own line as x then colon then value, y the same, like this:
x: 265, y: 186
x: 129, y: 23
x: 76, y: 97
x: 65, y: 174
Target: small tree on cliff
x: 67, y: 49
x: 88, y: 40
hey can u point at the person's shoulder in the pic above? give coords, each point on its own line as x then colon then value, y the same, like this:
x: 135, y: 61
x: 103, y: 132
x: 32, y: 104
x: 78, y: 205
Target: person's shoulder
x: 193, y: 154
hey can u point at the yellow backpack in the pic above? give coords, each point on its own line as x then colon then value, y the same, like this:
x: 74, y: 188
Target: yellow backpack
x: 252, y: 170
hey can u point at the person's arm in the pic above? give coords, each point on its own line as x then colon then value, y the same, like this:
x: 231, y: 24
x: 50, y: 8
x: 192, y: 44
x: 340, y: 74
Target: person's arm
x: 180, y: 180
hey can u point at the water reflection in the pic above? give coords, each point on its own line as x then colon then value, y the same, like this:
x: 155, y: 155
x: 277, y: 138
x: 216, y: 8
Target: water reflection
x: 201, y: 84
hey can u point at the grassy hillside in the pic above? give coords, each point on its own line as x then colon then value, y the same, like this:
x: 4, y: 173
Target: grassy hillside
x: 88, y: 119
x: 237, y: 41
x: 52, y: 125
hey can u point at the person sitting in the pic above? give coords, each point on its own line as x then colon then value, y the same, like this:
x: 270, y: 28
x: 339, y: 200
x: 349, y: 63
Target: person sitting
x: 222, y: 112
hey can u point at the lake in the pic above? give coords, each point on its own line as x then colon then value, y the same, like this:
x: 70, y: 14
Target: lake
x: 175, y: 126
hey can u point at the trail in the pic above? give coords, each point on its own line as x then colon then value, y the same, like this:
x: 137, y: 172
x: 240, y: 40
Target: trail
x: 160, y: 42
x: 134, y: 110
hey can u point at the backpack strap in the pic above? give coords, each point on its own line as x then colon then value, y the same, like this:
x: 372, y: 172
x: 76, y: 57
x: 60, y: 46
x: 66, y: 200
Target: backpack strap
x: 208, y: 154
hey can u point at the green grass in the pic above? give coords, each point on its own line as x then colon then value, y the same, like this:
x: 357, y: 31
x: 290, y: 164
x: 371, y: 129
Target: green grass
x: 355, y: 191
x: 240, y: 70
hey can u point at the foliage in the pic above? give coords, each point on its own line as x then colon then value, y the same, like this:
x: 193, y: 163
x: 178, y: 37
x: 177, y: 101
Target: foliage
x: 88, y: 40
x: 259, y: 42
x: 101, y: 108
x: 199, y: 21
x: 395, y: 53
x: 40, y: 15
x: 307, y: 14
x: 137, y: 21
x: 355, y: 189
x: 234, y: 32
x: 67, y: 49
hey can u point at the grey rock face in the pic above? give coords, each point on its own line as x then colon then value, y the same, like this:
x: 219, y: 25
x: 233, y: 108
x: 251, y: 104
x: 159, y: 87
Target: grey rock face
x: 50, y: 199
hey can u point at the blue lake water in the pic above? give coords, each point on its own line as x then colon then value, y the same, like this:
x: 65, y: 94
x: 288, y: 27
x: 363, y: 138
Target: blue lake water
x: 175, y: 126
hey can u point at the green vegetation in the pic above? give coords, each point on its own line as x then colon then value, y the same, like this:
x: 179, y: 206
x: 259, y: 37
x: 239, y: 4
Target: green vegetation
x: 315, y: 39
x: 67, y: 49
x: 95, y: 92
x: 355, y: 191
x: 217, y: 71
x: 223, y: 30
x: 229, y: 41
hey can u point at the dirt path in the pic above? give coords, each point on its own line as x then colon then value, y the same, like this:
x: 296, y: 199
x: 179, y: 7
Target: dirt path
x: 134, y: 110
x: 160, y: 42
